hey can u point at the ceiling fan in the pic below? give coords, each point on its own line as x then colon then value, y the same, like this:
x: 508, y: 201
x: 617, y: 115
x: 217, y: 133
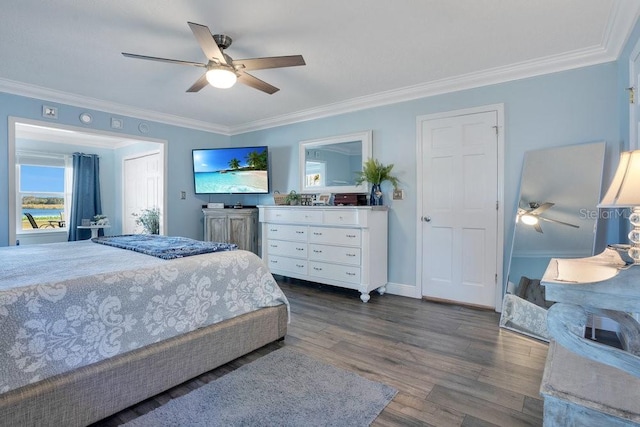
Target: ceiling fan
x: 532, y: 216
x: 222, y: 71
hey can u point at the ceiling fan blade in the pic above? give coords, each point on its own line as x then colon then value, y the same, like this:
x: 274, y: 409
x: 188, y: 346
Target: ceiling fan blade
x: 269, y: 62
x: 206, y: 42
x: 537, y: 227
x: 558, y: 222
x: 543, y: 207
x: 256, y: 83
x: 199, y: 84
x: 171, y: 61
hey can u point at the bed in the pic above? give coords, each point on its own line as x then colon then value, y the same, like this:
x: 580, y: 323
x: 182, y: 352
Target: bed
x: 87, y: 329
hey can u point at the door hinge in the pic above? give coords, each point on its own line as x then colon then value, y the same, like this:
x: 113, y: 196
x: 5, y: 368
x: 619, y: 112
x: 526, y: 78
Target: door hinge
x: 496, y: 128
x: 497, y: 205
x: 632, y: 95
x: 495, y: 279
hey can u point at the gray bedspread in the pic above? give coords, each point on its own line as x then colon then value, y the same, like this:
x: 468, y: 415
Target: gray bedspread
x: 66, y: 305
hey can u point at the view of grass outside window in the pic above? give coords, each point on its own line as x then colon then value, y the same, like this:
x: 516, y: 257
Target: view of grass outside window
x: 41, y: 196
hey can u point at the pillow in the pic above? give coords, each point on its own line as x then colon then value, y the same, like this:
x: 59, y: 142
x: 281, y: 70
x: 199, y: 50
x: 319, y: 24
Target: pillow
x: 532, y: 291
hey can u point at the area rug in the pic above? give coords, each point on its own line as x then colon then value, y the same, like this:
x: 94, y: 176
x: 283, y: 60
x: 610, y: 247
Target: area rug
x: 283, y: 388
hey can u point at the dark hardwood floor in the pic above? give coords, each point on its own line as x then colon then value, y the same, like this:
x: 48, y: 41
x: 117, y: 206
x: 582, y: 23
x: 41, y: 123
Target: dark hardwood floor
x: 452, y: 365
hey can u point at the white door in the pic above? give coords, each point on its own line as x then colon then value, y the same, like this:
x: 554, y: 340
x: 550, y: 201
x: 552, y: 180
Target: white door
x: 142, y: 188
x: 459, y: 208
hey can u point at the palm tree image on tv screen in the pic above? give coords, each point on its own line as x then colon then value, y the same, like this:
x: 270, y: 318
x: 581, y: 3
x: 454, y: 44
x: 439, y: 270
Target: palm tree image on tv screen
x: 237, y: 170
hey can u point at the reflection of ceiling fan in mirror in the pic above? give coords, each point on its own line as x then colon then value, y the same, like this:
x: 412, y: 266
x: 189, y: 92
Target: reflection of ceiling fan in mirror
x: 532, y: 216
x: 222, y: 71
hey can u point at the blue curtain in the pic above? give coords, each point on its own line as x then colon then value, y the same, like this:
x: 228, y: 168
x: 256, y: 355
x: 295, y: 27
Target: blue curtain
x: 85, y: 198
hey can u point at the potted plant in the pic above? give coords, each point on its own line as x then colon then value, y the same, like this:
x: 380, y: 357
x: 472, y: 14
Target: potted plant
x: 149, y: 219
x: 376, y: 173
x: 292, y: 198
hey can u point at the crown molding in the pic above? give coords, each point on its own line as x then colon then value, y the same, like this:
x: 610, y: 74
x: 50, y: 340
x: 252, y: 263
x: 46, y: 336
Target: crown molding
x: 621, y: 21
x: 46, y: 94
x: 522, y: 70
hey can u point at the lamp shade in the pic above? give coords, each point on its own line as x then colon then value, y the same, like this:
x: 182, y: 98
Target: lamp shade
x: 624, y: 190
x: 221, y: 77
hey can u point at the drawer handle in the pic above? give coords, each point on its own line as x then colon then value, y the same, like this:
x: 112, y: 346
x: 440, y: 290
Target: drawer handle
x: 274, y: 246
x: 350, y: 274
x: 299, y: 232
x: 351, y: 235
x: 350, y: 254
x: 317, y: 268
x: 273, y: 229
x: 315, y: 233
x: 272, y: 261
x: 299, y: 249
x: 299, y: 265
x: 317, y: 251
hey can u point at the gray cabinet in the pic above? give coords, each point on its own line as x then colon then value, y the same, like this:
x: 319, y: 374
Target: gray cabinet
x: 237, y: 226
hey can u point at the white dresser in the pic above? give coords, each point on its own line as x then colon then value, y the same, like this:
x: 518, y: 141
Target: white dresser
x: 343, y: 246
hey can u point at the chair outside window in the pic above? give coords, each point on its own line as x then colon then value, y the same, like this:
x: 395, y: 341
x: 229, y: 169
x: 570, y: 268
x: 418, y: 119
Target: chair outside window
x: 57, y: 222
x: 51, y: 224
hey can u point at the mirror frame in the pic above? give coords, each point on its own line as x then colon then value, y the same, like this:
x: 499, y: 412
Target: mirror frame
x: 366, y: 140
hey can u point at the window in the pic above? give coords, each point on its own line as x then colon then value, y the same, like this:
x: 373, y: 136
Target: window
x: 43, y: 192
x: 315, y: 173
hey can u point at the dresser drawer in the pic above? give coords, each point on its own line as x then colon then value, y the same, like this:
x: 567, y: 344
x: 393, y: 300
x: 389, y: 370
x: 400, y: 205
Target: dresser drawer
x: 278, y: 264
x: 288, y: 249
x: 342, y: 217
x: 303, y: 216
x: 339, y: 254
x: 335, y: 236
x: 343, y: 273
x: 297, y: 233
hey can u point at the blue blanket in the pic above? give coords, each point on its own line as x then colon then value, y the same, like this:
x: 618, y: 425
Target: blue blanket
x: 165, y: 247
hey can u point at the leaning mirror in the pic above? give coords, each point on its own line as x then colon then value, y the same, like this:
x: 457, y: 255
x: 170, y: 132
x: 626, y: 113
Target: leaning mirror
x: 329, y: 165
x: 556, y: 217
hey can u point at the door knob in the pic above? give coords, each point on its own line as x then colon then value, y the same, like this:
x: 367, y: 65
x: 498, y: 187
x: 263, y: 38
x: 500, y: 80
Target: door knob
x: 426, y: 218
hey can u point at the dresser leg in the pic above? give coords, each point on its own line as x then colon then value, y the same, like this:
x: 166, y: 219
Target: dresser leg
x: 365, y: 296
x: 382, y: 290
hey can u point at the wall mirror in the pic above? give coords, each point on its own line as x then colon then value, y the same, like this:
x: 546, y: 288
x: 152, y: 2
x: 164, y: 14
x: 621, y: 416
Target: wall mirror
x: 329, y: 165
x: 556, y: 217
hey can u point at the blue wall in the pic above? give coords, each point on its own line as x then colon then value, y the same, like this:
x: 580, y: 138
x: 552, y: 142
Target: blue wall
x: 576, y: 106
x: 553, y: 110
x: 185, y: 216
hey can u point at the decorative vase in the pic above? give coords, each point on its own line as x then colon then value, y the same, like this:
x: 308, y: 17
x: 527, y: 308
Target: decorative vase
x: 375, y: 199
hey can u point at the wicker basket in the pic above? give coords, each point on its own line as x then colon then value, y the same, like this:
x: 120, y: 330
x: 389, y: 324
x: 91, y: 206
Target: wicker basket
x: 280, y: 199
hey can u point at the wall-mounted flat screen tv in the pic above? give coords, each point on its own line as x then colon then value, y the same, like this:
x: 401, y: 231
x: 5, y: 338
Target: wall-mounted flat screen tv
x: 232, y: 170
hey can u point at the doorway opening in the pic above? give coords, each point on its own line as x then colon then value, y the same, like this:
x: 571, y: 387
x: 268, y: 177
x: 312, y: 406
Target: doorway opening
x: 32, y: 139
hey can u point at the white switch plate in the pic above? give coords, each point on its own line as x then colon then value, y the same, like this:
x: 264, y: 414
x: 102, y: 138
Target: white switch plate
x: 398, y: 194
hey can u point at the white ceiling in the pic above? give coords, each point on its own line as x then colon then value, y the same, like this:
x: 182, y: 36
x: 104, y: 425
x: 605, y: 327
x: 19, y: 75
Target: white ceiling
x: 359, y: 53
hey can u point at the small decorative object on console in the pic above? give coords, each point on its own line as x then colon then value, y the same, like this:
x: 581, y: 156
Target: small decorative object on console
x: 375, y: 173
x: 101, y: 220
x: 306, y: 199
x: 350, y: 199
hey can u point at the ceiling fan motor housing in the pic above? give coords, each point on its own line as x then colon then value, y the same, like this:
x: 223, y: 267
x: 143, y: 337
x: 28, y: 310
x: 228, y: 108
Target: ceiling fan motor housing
x: 223, y: 41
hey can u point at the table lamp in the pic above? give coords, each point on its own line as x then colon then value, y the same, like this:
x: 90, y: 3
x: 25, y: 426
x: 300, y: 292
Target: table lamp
x: 624, y: 192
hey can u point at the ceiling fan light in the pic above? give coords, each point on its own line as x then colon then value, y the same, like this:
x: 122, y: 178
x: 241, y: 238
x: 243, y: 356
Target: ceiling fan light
x: 529, y: 219
x: 222, y: 78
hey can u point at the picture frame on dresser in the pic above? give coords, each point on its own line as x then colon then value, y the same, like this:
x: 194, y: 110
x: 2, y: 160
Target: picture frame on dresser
x: 343, y: 246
